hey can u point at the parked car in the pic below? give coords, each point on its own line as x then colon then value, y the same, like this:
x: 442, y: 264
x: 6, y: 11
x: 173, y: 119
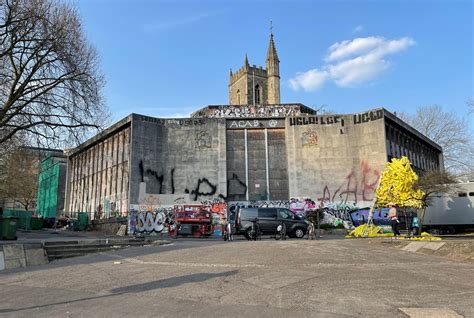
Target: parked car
x: 268, y: 219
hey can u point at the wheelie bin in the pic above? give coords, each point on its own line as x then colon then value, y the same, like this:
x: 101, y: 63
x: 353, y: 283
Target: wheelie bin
x: 9, y: 225
x: 82, y: 221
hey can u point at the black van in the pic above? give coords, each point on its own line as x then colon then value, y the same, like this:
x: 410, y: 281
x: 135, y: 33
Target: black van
x: 268, y: 219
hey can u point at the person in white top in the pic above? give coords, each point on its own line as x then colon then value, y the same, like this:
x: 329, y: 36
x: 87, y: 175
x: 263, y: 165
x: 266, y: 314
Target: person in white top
x: 392, y: 214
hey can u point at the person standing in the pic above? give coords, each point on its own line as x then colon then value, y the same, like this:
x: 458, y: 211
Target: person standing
x: 392, y: 214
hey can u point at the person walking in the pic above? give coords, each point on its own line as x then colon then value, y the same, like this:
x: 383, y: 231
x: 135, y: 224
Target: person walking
x: 392, y: 214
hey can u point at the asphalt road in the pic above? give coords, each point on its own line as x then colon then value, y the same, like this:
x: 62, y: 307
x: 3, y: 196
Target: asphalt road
x: 268, y: 278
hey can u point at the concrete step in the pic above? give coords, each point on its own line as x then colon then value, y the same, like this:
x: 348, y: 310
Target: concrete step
x: 84, y: 249
x: 79, y: 246
x: 66, y: 249
x: 98, y: 241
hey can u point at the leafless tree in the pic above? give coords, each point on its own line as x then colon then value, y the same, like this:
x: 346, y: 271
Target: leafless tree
x: 435, y: 183
x: 470, y: 106
x: 20, y: 180
x: 50, y: 82
x: 451, y: 131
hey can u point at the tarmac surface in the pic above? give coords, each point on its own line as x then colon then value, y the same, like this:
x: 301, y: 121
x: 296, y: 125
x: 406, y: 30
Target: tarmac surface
x: 268, y: 278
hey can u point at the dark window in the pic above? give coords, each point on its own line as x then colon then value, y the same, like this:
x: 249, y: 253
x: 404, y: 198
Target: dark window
x: 462, y: 194
x: 257, y: 94
x: 286, y: 214
x: 471, y: 194
x: 248, y: 213
x: 267, y: 213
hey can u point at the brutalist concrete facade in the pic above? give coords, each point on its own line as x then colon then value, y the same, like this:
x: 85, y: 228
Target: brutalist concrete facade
x: 241, y: 153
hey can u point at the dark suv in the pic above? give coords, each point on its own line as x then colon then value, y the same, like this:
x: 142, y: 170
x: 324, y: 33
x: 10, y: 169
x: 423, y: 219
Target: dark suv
x: 268, y: 219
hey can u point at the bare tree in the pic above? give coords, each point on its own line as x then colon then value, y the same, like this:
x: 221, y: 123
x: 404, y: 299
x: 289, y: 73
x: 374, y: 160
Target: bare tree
x: 50, y: 82
x: 451, y: 131
x: 435, y: 183
x: 470, y: 106
x: 20, y: 181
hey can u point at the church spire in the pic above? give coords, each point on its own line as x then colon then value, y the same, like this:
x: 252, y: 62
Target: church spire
x: 272, y: 53
x: 246, y: 62
x: 273, y: 71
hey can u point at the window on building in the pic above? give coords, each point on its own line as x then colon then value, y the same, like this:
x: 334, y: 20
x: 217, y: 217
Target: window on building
x: 257, y: 94
x: 238, y: 97
x: 462, y: 194
x: 471, y: 194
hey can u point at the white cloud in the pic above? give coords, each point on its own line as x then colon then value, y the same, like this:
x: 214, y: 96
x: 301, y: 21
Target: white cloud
x: 358, y: 29
x: 344, y: 49
x: 356, y: 71
x: 352, y: 62
x: 308, y: 81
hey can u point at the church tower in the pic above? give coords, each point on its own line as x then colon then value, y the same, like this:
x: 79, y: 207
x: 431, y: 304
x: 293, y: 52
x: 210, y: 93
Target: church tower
x: 252, y: 85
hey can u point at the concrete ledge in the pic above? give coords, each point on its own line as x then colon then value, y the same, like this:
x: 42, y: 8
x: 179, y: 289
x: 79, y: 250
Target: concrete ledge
x: 414, y: 246
x: 459, y: 250
x: 21, y: 255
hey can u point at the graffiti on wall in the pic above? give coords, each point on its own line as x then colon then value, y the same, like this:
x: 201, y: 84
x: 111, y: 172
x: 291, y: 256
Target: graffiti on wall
x: 203, y: 140
x: 316, y: 120
x: 309, y: 138
x: 174, y: 122
x: 204, y: 187
x: 152, y: 219
x: 354, y: 188
x: 361, y: 216
x: 149, y: 218
x: 242, y: 111
x: 368, y: 116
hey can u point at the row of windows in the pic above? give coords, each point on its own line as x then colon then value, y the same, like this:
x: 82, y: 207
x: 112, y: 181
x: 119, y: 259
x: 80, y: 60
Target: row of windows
x: 420, y: 155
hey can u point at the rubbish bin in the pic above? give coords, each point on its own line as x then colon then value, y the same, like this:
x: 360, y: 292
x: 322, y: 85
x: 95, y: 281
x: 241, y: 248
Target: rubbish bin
x: 24, y: 221
x: 1, y: 227
x: 9, y: 225
x: 82, y: 221
x: 36, y: 223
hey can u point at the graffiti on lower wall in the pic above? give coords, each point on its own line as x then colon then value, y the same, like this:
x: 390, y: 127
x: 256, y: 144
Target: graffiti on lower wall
x: 144, y: 218
x: 153, y: 219
x: 358, y: 185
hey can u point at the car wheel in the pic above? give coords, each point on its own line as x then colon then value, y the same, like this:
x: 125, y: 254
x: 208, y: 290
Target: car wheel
x: 248, y: 234
x: 299, y: 233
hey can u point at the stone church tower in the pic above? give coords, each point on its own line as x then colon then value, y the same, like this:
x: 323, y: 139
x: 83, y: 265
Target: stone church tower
x: 256, y: 85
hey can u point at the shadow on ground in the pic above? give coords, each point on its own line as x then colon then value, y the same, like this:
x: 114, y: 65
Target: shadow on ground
x: 144, y: 287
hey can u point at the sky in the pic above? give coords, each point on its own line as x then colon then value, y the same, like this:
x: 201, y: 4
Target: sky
x: 170, y: 58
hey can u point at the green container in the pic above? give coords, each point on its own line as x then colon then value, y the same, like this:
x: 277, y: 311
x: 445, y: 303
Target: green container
x: 1, y: 228
x: 24, y: 220
x: 36, y: 223
x: 82, y: 221
x: 9, y: 225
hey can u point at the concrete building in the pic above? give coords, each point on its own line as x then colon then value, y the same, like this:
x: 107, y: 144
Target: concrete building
x: 267, y: 153
x: 260, y: 150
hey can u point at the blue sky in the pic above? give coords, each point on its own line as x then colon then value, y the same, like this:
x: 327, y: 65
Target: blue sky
x: 169, y: 58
